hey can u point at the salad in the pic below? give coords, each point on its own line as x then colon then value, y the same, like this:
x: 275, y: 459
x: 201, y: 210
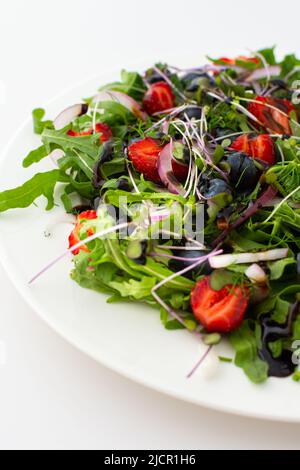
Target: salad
x: 183, y: 188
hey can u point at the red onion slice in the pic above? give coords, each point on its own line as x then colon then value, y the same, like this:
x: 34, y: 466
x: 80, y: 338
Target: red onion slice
x: 264, y: 72
x: 123, y: 99
x: 165, y: 170
x: 69, y: 114
x: 223, y: 261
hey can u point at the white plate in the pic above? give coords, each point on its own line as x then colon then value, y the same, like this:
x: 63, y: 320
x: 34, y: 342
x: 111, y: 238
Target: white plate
x: 128, y: 338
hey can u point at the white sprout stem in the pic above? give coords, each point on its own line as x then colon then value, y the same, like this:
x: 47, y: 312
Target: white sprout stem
x: 196, y: 180
x: 246, y: 112
x: 266, y: 67
x: 191, y: 184
x: 96, y: 235
x: 132, y: 178
x: 175, y: 111
x: 281, y: 152
x: 83, y: 161
x: 95, y: 115
x: 237, y: 105
x: 201, y: 144
x: 213, y: 95
x: 280, y: 204
x: 170, y: 111
x: 231, y: 135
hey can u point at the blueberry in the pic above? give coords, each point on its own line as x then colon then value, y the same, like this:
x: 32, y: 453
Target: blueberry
x: 243, y: 172
x: 123, y: 184
x: 178, y: 265
x: 192, y: 112
x: 212, y: 187
x: 278, y: 82
x: 192, y: 80
x: 153, y: 77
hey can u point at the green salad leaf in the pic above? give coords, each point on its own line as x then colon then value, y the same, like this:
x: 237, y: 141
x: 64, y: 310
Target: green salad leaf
x: 42, y: 184
x: 244, y: 342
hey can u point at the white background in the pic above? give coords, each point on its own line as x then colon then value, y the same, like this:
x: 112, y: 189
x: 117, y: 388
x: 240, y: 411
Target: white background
x: 52, y: 396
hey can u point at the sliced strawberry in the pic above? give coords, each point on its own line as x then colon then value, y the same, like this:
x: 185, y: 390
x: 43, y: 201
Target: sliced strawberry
x: 102, y: 128
x: 158, y: 98
x: 241, y: 144
x: 87, y: 215
x: 261, y: 147
x: 74, y: 236
x: 219, y: 311
x: 144, y: 156
x: 241, y: 58
x: 275, y: 120
x: 226, y: 60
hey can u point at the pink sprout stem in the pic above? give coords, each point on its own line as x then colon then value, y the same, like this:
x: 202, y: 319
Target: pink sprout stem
x: 199, y: 362
x: 100, y: 234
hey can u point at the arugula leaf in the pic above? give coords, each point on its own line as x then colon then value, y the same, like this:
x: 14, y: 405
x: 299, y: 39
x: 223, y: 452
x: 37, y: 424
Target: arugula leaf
x: 97, y: 279
x: 244, y: 342
x: 114, y: 167
x: 113, y: 197
x: 88, y: 145
x: 134, y: 289
x: 277, y: 268
x: 38, y: 124
x: 173, y: 324
x: 114, y: 114
x: 79, y: 160
x: 35, y: 156
x: 132, y: 84
x: 42, y: 184
x: 269, y: 55
x: 289, y: 62
x: 286, y: 177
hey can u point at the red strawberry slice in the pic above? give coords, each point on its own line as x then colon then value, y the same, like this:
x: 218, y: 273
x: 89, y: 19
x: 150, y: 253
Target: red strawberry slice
x: 226, y: 60
x: 261, y: 147
x: 102, y: 128
x: 254, y: 60
x: 158, y: 98
x: 241, y: 58
x: 275, y: 120
x: 144, y: 156
x: 74, y: 236
x: 219, y: 311
x: 241, y: 144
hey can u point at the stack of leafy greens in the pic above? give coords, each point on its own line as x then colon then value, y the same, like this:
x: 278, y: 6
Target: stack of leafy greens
x: 152, y: 151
